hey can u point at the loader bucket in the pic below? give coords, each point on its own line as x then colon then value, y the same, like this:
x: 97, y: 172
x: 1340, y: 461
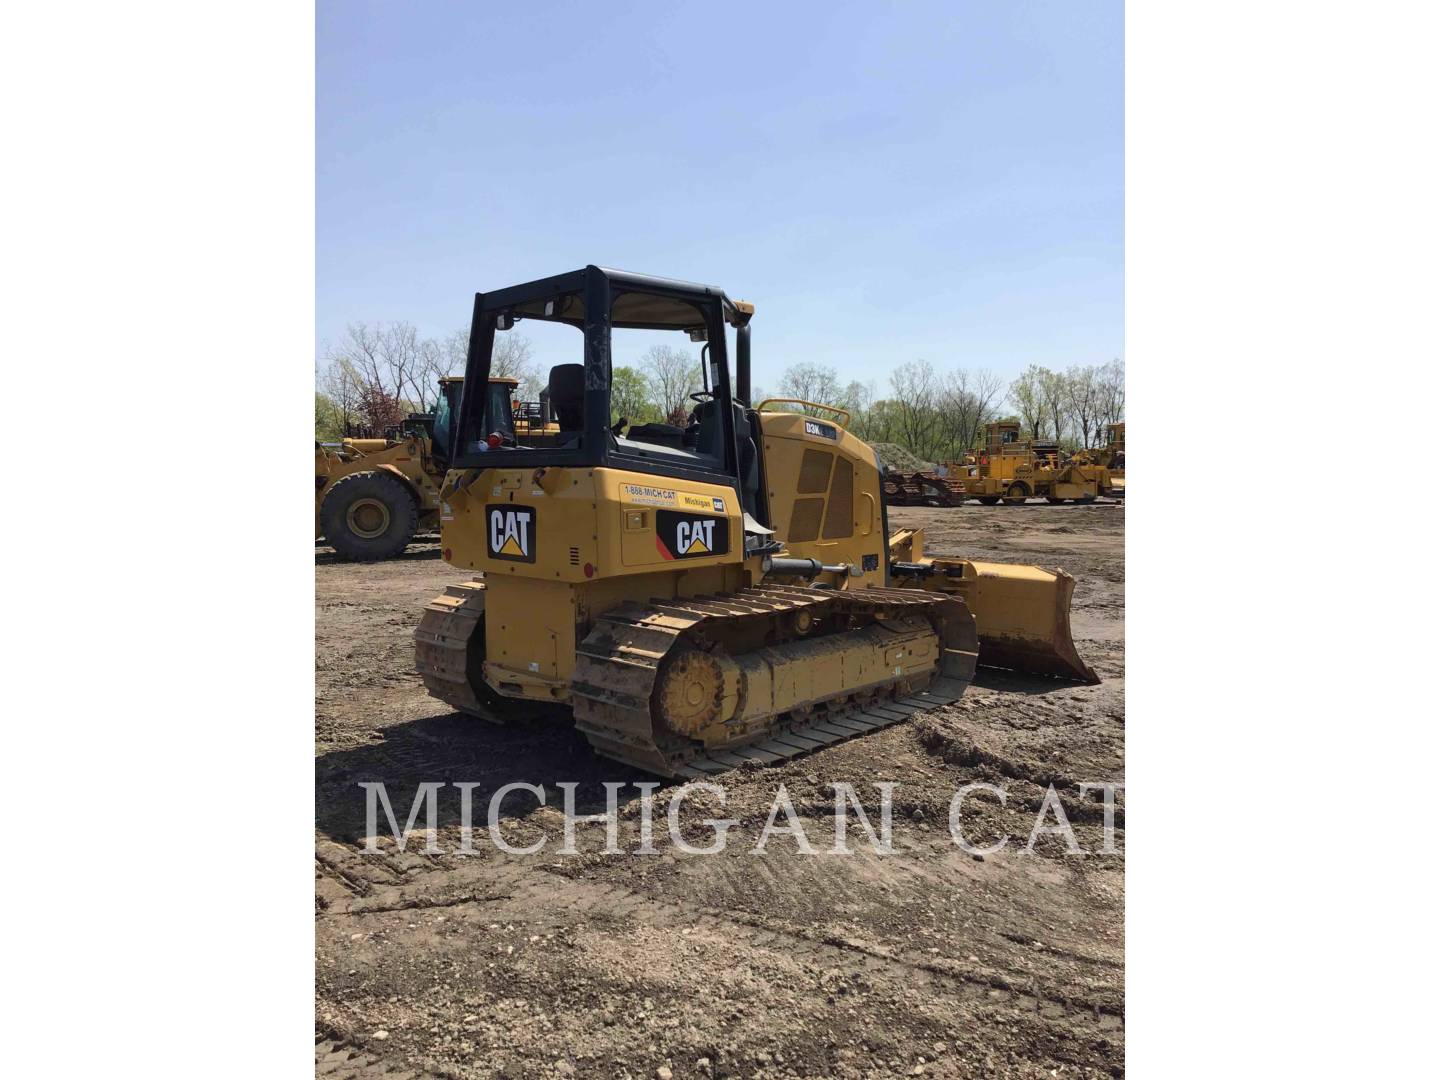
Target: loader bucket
x: 1022, y: 613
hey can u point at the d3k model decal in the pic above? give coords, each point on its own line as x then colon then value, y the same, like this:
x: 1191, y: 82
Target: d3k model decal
x: 510, y: 532
x: 690, y: 536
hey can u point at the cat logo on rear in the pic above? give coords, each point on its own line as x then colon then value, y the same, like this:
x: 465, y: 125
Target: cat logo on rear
x: 511, y: 532
x: 690, y: 536
x: 695, y: 537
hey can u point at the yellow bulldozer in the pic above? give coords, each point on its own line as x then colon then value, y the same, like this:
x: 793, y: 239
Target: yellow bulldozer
x: 373, y: 495
x: 706, y: 595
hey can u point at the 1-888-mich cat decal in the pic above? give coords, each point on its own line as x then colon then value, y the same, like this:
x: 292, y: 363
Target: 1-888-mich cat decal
x: 690, y: 536
x: 510, y: 532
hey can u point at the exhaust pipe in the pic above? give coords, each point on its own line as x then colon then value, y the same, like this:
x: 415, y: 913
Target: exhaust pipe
x: 742, y: 365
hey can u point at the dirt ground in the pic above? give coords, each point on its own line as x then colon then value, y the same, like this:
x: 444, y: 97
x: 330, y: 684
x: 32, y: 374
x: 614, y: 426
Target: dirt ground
x: 926, y: 961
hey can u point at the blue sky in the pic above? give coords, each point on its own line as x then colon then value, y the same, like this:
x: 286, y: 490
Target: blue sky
x: 886, y: 183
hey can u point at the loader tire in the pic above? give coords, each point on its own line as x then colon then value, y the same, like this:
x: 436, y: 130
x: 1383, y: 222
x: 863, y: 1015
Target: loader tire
x: 369, y: 516
x: 989, y: 500
x: 1016, y: 494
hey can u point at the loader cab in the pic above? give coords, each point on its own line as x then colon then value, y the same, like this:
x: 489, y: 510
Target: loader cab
x: 1002, y: 436
x: 442, y: 424
x: 617, y: 318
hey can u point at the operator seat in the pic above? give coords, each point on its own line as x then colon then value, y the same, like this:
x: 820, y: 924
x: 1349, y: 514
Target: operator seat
x: 567, y: 396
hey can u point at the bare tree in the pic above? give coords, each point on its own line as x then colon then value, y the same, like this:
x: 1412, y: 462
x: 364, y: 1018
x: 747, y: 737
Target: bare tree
x: 1027, y: 394
x: 1112, y: 392
x: 987, y: 388
x: 1054, y: 393
x: 389, y: 361
x: 341, y: 384
x: 855, y: 399
x: 512, y: 357
x: 443, y: 357
x: 857, y: 396
x: 811, y: 382
x: 956, y: 408
x: 1083, y: 398
x: 387, y: 357
x: 966, y: 403
x: 915, y: 392
x: 674, y: 376
x: 455, y: 351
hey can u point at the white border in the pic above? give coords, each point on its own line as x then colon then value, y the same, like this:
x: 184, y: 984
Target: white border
x: 1281, y: 191
x: 158, y: 282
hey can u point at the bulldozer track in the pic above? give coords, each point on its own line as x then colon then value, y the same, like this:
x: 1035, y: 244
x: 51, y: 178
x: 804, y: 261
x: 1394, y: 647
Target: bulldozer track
x: 442, y: 646
x: 620, y: 660
x: 514, y: 891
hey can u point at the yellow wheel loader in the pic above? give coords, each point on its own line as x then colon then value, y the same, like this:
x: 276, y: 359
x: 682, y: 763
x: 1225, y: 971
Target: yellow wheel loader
x: 697, y: 596
x: 373, y: 495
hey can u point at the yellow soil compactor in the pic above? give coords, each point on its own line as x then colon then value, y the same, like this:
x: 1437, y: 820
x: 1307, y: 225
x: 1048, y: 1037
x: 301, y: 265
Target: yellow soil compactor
x: 1012, y: 470
x: 699, y: 596
x: 1106, y: 465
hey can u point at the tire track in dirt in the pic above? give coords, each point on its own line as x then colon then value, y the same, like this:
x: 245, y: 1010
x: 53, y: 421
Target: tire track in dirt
x: 522, y: 893
x: 337, y: 1057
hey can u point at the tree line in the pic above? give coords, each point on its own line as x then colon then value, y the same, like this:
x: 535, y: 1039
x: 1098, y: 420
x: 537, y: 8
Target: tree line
x: 378, y: 373
x: 939, y: 415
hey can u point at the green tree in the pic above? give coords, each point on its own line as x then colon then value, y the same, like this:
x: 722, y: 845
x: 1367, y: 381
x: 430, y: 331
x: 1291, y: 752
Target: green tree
x: 632, y: 397
x: 329, y: 426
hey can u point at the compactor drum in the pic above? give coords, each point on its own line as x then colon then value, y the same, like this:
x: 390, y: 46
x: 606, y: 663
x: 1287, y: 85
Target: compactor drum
x: 697, y: 597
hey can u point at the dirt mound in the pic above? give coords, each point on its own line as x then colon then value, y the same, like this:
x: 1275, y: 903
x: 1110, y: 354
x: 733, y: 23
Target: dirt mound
x: 898, y: 458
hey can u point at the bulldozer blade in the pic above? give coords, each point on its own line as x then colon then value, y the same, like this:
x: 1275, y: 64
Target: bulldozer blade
x: 1022, y: 617
x: 1022, y: 613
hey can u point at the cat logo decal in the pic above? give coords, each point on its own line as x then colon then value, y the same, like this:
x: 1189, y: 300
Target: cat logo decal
x: 690, y: 536
x: 511, y: 532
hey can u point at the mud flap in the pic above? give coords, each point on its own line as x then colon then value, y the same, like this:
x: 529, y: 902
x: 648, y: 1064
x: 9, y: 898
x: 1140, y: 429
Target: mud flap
x: 1022, y: 613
